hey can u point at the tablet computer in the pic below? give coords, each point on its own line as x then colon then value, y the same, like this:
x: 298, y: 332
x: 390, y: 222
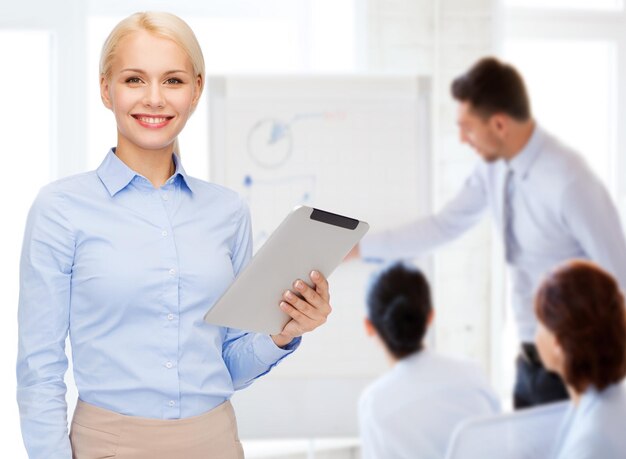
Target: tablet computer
x: 308, y: 239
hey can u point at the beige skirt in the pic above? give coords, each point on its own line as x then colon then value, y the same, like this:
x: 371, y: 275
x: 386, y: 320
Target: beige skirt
x: 97, y: 433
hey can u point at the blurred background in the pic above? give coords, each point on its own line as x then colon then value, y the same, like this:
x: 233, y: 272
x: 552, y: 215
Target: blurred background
x: 572, y: 54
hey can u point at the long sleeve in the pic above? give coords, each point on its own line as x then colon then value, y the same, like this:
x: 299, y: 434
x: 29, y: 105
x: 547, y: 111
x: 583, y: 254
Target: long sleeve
x: 43, y: 316
x: 425, y: 234
x: 593, y: 220
x: 249, y: 355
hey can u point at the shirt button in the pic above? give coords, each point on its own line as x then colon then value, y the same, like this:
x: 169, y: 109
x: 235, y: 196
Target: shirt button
x: 172, y: 403
x: 172, y: 272
x: 170, y: 317
x: 168, y: 364
x: 164, y: 233
x: 165, y: 197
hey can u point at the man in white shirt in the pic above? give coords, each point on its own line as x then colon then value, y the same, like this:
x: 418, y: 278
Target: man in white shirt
x: 546, y: 203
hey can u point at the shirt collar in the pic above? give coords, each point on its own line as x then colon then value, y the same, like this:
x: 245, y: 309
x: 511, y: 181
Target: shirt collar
x: 181, y: 171
x: 116, y: 175
x: 409, y: 360
x: 523, y: 161
x: 591, y: 396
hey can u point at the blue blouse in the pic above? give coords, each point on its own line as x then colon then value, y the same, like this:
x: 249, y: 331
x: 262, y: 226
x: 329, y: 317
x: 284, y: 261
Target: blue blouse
x: 129, y: 271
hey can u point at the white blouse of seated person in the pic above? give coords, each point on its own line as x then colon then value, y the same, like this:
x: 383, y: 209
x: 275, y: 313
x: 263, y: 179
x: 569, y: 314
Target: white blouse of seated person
x: 413, y: 409
x: 582, y: 337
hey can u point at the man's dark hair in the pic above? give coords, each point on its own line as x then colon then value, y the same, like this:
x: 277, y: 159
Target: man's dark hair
x: 490, y: 87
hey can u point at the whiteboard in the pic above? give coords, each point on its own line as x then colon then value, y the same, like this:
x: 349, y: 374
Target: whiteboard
x: 353, y: 145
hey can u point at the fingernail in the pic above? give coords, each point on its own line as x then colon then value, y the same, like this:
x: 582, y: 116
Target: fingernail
x: 315, y: 274
x: 283, y: 305
x: 299, y: 285
x: 288, y: 295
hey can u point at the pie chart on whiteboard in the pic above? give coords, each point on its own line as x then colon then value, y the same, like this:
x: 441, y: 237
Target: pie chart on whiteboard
x: 270, y: 143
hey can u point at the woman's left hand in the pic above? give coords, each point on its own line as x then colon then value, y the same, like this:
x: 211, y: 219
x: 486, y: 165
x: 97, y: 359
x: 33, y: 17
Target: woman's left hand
x: 307, y: 313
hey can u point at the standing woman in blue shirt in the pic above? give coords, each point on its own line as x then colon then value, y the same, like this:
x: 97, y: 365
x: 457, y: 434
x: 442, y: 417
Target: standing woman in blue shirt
x: 582, y: 337
x: 127, y: 259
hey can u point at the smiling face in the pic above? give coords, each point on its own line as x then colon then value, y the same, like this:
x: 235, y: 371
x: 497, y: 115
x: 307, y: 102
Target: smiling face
x: 152, y: 91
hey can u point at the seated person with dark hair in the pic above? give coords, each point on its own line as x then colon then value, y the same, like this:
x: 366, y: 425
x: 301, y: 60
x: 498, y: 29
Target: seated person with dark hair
x: 411, y: 411
x: 582, y: 337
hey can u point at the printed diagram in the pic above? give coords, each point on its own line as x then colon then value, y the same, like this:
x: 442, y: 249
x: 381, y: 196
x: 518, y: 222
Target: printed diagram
x: 276, y: 189
x: 271, y: 142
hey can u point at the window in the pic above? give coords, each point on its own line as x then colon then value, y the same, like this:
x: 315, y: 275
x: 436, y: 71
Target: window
x: 25, y: 91
x: 573, y: 100
x: 570, y: 61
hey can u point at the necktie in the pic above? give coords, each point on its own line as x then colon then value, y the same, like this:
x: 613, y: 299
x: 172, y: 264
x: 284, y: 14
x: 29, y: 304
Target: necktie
x: 511, y: 246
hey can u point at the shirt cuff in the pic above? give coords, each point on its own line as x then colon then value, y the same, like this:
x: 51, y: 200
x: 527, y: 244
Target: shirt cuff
x: 268, y: 353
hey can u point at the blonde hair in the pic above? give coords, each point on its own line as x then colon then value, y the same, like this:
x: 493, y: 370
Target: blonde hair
x: 160, y: 24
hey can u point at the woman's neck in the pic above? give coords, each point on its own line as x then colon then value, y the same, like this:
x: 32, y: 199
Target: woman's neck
x: 574, y: 394
x: 155, y: 165
x: 393, y: 360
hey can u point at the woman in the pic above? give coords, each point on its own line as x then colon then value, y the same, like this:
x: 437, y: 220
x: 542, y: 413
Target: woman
x: 126, y: 260
x: 411, y: 411
x: 582, y: 337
